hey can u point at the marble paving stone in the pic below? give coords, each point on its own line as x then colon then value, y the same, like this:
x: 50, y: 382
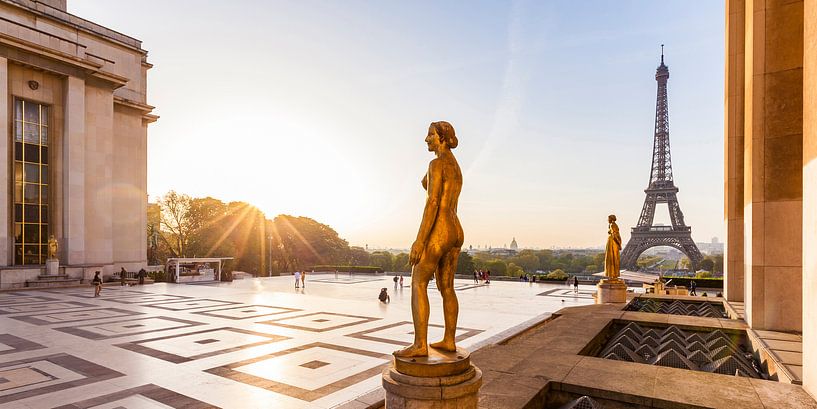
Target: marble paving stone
x: 10, y: 344
x: 115, y: 329
x: 294, y: 372
x: 343, y: 280
x: 108, y: 293
x: 25, y: 300
x: 154, y: 298
x: 42, y: 307
x: 567, y: 293
x: 247, y: 311
x: 75, y: 316
x: 190, y: 304
x: 342, y: 368
x: 142, y: 397
x: 201, y: 344
x: 320, y: 321
x: 402, y: 333
x: 41, y: 375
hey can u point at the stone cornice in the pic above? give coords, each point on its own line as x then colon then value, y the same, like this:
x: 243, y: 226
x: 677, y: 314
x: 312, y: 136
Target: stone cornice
x: 92, y: 68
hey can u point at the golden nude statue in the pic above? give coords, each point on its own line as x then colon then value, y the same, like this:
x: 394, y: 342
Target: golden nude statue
x: 612, y: 253
x: 437, y: 248
x: 52, y: 247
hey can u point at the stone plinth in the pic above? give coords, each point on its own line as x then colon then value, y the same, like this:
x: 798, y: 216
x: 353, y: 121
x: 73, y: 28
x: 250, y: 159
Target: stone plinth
x: 610, y: 291
x: 52, y: 267
x: 442, y: 380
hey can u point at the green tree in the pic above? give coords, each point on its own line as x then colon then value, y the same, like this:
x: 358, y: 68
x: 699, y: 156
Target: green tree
x: 707, y: 264
x: 526, y: 260
x: 557, y: 274
x: 382, y: 259
x: 497, y: 267
x: 465, y: 263
x: 514, y: 270
x: 175, y: 226
x: 401, y: 262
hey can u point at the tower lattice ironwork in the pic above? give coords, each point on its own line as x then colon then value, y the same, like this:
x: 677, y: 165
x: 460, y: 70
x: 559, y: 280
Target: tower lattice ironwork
x: 661, y: 189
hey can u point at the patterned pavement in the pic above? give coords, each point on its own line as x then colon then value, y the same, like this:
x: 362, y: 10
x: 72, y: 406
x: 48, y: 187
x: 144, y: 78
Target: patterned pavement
x: 257, y: 343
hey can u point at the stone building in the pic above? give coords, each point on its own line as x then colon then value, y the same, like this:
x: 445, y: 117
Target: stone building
x: 771, y: 169
x: 74, y: 157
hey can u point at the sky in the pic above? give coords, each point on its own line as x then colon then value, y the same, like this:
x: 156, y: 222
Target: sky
x: 320, y: 109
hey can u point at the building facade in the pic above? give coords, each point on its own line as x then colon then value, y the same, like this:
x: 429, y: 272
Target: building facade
x: 74, y: 156
x: 771, y: 168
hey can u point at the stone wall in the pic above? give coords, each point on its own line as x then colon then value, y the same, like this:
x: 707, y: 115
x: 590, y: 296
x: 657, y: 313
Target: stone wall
x: 810, y: 198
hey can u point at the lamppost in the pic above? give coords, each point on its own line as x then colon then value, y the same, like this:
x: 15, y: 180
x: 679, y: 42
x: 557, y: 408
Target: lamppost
x: 270, y: 254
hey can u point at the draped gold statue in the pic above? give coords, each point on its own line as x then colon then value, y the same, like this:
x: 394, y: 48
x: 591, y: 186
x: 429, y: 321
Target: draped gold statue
x: 52, y: 247
x: 612, y: 253
x: 437, y: 248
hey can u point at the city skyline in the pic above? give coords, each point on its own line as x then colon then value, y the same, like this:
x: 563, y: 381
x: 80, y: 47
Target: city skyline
x: 327, y: 116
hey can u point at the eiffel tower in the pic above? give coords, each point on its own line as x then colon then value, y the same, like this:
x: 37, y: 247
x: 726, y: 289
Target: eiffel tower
x: 661, y: 190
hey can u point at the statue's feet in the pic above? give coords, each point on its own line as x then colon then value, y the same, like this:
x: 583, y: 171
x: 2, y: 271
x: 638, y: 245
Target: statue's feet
x: 412, y: 351
x: 445, y: 345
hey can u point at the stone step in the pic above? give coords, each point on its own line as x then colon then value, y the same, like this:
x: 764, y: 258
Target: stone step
x: 53, y: 282
x: 53, y: 277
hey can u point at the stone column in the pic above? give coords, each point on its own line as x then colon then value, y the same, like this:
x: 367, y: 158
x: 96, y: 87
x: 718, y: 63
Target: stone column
x: 733, y: 150
x: 773, y: 188
x: 74, y: 172
x: 6, y: 247
x: 810, y: 199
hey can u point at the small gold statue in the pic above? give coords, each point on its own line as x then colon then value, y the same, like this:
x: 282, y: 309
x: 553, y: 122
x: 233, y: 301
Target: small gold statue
x: 437, y: 248
x: 52, y: 247
x: 612, y: 253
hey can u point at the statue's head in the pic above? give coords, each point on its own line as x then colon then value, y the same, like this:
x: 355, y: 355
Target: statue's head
x: 441, y: 134
x: 611, y: 218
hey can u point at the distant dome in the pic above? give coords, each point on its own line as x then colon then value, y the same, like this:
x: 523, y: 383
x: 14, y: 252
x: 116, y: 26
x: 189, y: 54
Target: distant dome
x: 514, y: 246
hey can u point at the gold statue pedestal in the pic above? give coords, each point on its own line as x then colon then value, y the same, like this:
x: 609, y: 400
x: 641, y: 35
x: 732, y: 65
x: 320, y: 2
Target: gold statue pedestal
x: 442, y: 380
x: 52, y: 267
x: 611, y: 291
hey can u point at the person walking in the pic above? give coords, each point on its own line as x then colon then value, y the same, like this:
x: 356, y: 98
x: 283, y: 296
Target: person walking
x: 395, y: 282
x: 487, y: 276
x: 142, y: 274
x: 692, y: 287
x: 122, y: 274
x: 575, y: 285
x: 303, y: 279
x: 97, y: 283
x: 476, y: 276
x: 297, y: 279
x: 401, y: 281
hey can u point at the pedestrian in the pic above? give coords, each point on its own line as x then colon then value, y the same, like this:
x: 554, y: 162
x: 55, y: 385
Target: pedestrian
x: 384, y: 296
x: 297, y: 279
x: 395, y: 282
x: 401, y: 281
x: 692, y: 287
x: 97, y: 283
x: 142, y: 274
x: 122, y: 274
x: 575, y: 284
x: 487, y: 276
x: 476, y: 276
x: 303, y: 279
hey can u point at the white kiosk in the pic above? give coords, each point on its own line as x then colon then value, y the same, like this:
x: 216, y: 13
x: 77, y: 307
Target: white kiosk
x: 195, y: 269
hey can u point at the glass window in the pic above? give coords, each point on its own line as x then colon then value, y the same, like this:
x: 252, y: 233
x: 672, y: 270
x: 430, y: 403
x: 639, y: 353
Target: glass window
x: 30, y: 182
x: 32, y: 173
x: 32, y: 112
x: 31, y: 153
x: 31, y: 133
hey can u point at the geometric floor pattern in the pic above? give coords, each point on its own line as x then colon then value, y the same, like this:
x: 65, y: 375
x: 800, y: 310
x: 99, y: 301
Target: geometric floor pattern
x: 247, y: 344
